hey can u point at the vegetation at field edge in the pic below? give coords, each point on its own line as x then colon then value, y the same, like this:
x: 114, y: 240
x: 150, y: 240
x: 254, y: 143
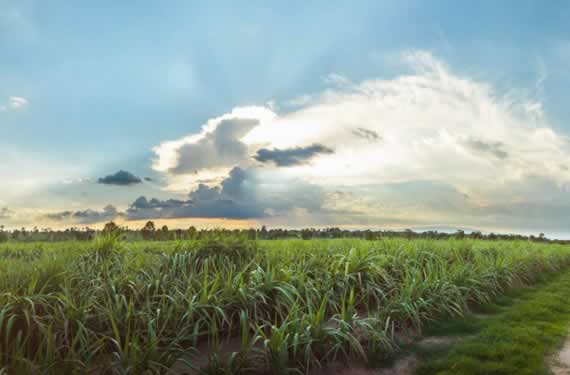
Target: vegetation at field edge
x: 531, y: 324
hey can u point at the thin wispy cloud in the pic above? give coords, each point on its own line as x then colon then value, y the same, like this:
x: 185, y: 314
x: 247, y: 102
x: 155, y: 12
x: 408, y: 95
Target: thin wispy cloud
x: 88, y: 216
x: 14, y: 103
x: 6, y: 213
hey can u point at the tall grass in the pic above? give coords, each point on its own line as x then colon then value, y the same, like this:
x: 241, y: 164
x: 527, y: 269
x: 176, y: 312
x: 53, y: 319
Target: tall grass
x: 226, y: 305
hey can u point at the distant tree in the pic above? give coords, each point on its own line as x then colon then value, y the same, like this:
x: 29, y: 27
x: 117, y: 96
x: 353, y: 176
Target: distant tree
x: 476, y: 235
x: 178, y: 234
x: 148, y: 230
x: 306, y: 234
x: 251, y: 234
x: 164, y: 233
x: 263, y: 232
x: 110, y: 227
x: 4, y: 237
x: 192, y: 233
x: 149, y: 226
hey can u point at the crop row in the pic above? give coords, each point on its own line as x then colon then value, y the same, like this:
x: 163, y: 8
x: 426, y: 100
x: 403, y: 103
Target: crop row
x: 229, y: 305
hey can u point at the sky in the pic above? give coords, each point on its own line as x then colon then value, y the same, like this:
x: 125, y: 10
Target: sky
x: 357, y: 114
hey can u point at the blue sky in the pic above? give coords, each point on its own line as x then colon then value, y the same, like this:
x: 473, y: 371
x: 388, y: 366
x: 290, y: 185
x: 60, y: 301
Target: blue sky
x: 105, y: 83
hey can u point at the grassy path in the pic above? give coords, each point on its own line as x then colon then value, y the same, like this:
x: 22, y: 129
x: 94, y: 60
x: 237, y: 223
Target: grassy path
x: 519, y: 337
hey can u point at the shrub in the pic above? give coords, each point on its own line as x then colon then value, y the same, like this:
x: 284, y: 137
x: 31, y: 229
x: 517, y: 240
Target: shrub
x: 230, y: 246
x: 107, y: 243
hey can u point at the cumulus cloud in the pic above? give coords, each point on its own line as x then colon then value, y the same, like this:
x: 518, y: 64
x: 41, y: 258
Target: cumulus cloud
x: 121, y: 178
x: 291, y: 156
x: 435, y: 125
x: 242, y: 194
x: 88, y: 216
x: 218, y: 146
x: 232, y: 199
x: 453, y: 146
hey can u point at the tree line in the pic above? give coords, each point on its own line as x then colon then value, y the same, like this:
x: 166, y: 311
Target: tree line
x: 150, y: 232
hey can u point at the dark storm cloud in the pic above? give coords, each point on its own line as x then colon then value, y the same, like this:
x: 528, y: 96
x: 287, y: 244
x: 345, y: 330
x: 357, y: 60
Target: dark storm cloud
x: 231, y: 200
x: 217, y: 208
x: 367, y: 134
x: 243, y: 194
x: 88, y: 216
x: 490, y: 148
x: 148, y: 179
x: 220, y: 147
x: 143, y: 203
x: 291, y: 156
x: 205, y: 193
x: 237, y: 197
x: 121, y: 178
x: 6, y: 213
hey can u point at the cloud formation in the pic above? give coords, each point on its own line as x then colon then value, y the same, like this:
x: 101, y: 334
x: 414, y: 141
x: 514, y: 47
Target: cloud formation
x: 142, y: 203
x: 14, y: 103
x: 242, y: 194
x: 87, y: 216
x: 231, y: 200
x: 121, y: 178
x: 218, y: 146
x: 291, y: 156
x: 238, y: 196
x: 460, y: 143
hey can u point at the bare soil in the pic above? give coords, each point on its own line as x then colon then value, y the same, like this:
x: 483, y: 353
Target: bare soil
x: 403, y: 366
x: 560, y: 364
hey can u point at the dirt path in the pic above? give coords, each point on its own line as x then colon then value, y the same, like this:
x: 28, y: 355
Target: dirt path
x: 561, y: 361
x: 403, y: 366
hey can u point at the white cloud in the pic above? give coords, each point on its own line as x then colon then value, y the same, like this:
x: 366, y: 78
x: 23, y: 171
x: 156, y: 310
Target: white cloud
x: 168, y: 153
x: 17, y: 102
x: 14, y: 103
x: 426, y: 120
x: 432, y: 124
